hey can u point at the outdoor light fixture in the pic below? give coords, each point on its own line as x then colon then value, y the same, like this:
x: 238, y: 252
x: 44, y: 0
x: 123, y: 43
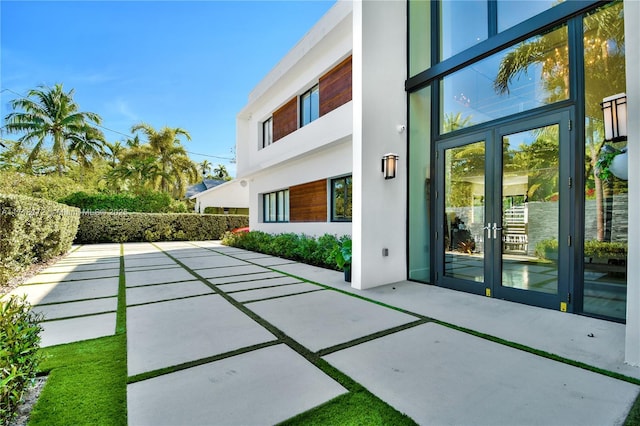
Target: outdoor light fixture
x: 614, y: 109
x: 389, y: 165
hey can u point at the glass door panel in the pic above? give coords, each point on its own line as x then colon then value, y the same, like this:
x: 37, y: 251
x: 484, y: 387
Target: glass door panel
x: 530, y: 209
x: 464, y: 212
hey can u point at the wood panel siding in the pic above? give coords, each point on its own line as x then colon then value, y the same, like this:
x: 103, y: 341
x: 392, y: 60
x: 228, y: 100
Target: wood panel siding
x: 308, y: 202
x: 335, y: 87
x: 285, y: 119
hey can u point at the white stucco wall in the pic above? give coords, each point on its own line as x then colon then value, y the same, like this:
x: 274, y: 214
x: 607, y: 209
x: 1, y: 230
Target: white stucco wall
x: 379, y: 205
x: 632, y: 51
x: 323, y: 47
x: 230, y: 194
x: 333, y: 160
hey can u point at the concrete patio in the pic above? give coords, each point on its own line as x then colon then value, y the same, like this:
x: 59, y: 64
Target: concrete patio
x: 214, y: 330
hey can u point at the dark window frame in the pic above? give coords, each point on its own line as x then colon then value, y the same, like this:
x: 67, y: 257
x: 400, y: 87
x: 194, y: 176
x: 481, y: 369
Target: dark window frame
x: 281, y: 214
x: 348, y: 181
x: 308, y: 97
x: 267, y: 132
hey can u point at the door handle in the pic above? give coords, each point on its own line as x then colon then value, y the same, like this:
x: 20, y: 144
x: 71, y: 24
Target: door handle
x: 488, y: 228
x: 495, y: 230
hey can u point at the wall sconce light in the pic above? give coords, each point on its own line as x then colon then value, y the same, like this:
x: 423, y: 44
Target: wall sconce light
x: 389, y: 165
x: 614, y: 109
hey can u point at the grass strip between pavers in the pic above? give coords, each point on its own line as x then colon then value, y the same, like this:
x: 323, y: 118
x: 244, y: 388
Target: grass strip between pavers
x: 390, y: 414
x: 121, y: 316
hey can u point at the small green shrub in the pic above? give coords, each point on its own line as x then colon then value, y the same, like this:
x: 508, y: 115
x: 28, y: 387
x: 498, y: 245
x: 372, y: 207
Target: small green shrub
x: 301, y: 248
x: 106, y: 227
x: 19, y: 358
x: 33, y: 230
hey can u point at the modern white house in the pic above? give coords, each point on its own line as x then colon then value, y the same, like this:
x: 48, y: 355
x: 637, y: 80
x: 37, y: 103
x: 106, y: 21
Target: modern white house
x: 230, y: 197
x: 464, y: 145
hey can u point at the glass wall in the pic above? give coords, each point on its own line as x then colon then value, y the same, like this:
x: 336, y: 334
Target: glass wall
x: 526, y: 76
x: 420, y: 34
x: 605, y: 192
x: 512, y: 12
x: 463, y: 24
x: 419, y: 185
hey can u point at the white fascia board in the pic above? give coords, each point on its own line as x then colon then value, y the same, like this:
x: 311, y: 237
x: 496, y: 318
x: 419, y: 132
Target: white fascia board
x: 217, y: 187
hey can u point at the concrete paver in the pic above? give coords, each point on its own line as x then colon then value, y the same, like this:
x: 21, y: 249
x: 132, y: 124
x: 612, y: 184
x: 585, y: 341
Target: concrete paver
x: 162, y: 292
x: 282, y: 290
x: 169, y: 333
x: 159, y: 276
x: 255, y: 284
x: 242, y: 278
x: 72, y: 309
x: 261, y: 387
x: 230, y: 271
x: 76, y: 329
x: 438, y: 375
x: 211, y: 261
x: 68, y: 291
x: 49, y: 277
x: 326, y: 318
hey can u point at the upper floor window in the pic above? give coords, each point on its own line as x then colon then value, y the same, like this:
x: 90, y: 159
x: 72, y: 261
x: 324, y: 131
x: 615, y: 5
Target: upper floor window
x: 309, y: 106
x: 276, y: 206
x: 267, y: 132
x: 341, y: 199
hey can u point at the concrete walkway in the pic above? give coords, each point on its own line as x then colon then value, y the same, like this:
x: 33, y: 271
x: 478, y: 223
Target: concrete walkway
x: 218, y: 335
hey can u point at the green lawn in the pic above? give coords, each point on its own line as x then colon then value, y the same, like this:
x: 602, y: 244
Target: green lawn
x: 87, y: 384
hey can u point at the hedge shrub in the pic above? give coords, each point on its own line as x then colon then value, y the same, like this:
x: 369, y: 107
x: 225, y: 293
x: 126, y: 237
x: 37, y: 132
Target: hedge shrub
x: 33, y: 230
x: 301, y: 248
x: 108, y: 227
x: 19, y: 358
x: 148, y: 202
x: 51, y: 187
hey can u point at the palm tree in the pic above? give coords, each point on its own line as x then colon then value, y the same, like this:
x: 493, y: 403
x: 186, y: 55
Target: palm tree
x: 48, y: 113
x: 116, y: 150
x: 86, y: 146
x: 205, y: 168
x: 221, y: 172
x: 177, y: 171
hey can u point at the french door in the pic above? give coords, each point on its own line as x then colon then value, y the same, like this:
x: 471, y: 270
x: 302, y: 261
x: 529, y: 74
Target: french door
x: 503, y: 212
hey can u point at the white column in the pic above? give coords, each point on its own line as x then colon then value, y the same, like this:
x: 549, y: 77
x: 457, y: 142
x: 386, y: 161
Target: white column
x: 632, y: 51
x: 379, y: 112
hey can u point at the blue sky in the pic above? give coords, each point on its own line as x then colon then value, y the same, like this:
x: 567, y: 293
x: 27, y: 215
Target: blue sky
x: 188, y: 64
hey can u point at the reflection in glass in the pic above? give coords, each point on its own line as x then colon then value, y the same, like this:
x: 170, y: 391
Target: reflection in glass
x: 530, y: 213
x: 511, y: 12
x: 419, y: 36
x: 419, y: 183
x: 464, y: 212
x: 605, y: 210
x: 462, y: 24
x: 525, y: 76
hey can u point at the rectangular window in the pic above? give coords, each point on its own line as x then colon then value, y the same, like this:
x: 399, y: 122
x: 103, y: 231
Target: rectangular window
x: 341, y: 199
x: 267, y: 132
x: 276, y: 206
x: 309, y: 106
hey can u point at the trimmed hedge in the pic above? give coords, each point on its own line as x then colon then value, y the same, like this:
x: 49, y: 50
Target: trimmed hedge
x: 33, y: 230
x: 19, y: 356
x: 107, y: 227
x: 146, y: 202
x: 301, y: 248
